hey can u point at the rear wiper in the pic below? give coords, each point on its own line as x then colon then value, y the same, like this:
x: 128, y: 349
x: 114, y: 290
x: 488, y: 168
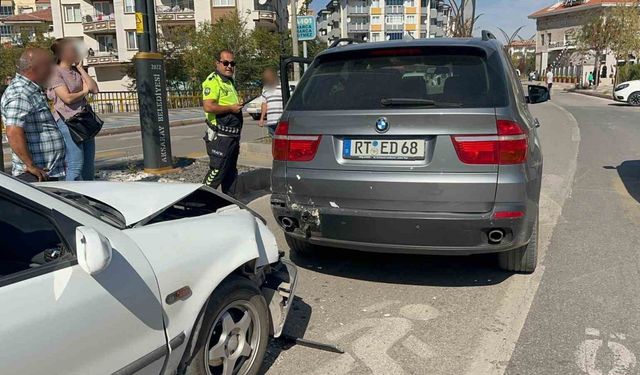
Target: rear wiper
x: 408, y: 102
x: 396, y: 102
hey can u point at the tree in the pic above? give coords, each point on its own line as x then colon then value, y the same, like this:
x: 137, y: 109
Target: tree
x: 10, y: 53
x: 597, y: 35
x: 461, y: 27
x: 625, y: 20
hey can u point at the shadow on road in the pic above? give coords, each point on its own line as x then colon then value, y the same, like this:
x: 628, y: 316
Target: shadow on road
x: 446, y: 271
x: 618, y: 104
x: 629, y: 172
x: 296, y: 326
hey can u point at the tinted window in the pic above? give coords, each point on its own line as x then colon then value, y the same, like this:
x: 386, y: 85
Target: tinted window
x: 450, y: 77
x: 28, y: 239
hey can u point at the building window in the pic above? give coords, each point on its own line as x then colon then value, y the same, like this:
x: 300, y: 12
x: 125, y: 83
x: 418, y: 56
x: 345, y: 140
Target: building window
x: 72, y: 13
x: 375, y: 37
x: 5, y: 30
x: 129, y: 6
x: 6, y: 11
x: 104, y: 10
x: 224, y: 3
x: 410, y: 19
x: 394, y: 19
x: 542, y: 39
x: 409, y: 3
x: 376, y: 19
x: 395, y: 2
x: 394, y: 36
x: 132, y: 40
x: 107, y: 43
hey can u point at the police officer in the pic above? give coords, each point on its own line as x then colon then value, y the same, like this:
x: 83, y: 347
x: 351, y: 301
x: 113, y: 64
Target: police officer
x: 223, y: 111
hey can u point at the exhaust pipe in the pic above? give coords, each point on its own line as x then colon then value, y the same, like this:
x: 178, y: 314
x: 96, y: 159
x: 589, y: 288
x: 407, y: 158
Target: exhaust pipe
x: 496, y: 236
x: 287, y: 223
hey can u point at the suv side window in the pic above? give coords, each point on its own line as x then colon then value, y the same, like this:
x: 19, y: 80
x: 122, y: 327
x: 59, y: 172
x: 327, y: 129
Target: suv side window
x: 29, y: 241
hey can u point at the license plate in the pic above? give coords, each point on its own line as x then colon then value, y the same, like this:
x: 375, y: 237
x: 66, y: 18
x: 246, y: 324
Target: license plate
x: 391, y: 149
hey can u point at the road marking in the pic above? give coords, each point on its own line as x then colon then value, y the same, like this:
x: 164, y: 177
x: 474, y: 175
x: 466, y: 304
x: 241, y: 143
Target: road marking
x: 380, y: 335
x: 623, y: 361
x: 418, y: 347
x: 503, y: 329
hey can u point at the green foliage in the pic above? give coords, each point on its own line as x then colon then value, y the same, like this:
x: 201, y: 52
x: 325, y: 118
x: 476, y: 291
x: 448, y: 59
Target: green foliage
x: 9, y: 53
x: 628, y: 72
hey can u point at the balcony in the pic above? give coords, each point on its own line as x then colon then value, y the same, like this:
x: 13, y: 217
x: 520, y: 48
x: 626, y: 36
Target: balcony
x: 175, y: 12
x: 98, y: 23
x: 394, y: 27
x: 394, y: 9
x: 554, y: 46
x: 103, y: 58
x: 358, y: 9
x: 322, y: 25
x: 357, y: 27
x: 266, y: 19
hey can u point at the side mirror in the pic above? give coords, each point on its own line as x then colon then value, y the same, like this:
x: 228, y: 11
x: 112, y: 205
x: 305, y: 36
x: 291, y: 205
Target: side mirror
x: 537, y: 94
x: 93, y: 250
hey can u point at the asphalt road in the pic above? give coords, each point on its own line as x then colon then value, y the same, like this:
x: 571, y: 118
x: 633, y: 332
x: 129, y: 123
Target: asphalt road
x: 397, y: 314
x: 186, y: 141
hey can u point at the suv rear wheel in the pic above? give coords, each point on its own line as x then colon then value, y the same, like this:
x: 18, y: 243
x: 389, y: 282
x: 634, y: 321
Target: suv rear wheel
x: 523, y: 259
x: 300, y: 247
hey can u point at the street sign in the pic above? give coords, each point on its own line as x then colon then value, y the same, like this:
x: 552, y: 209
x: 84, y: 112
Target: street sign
x: 306, y: 28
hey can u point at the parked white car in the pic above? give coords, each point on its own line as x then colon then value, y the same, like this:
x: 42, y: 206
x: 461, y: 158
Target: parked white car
x: 628, y: 92
x: 254, y: 107
x: 145, y: 278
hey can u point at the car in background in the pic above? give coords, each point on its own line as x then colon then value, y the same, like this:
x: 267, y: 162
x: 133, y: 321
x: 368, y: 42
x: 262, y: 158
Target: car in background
x: 145, y: 278
x: 628, y: 92
x: 372, y: 154
x: 254, y: 107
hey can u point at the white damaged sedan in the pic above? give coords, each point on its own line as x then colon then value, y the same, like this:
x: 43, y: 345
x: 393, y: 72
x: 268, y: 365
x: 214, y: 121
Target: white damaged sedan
x: 144, y: 278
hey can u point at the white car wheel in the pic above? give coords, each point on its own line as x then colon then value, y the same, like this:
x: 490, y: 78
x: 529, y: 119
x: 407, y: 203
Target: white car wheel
x: 235, y: 331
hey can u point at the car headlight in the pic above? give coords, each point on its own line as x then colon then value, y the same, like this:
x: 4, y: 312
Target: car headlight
x: 621, y: 87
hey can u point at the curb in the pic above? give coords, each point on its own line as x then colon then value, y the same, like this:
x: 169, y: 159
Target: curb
x: 136, y: 128
x: 594, y: 94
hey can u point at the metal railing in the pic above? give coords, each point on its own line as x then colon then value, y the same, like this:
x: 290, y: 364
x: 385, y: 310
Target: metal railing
x: 127, y: 101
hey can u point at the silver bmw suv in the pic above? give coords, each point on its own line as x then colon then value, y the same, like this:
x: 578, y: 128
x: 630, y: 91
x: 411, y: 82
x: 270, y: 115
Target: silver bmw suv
x: 424, y: 146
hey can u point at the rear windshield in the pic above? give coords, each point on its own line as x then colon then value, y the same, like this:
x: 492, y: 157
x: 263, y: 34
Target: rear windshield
x: 458, y: 77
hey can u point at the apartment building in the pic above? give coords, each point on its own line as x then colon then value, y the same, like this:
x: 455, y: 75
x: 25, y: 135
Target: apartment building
x: 20, y: 16
x: 557, y: 26
x: 107, y: 27
x: 378, y: 20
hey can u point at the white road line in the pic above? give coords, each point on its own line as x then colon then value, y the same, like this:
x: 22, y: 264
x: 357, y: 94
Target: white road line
x: 418, y: 347
x: 496, y: 346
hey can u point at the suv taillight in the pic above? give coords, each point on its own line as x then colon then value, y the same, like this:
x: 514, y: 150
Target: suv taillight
x: 509, y: 146
x: 287, y: 147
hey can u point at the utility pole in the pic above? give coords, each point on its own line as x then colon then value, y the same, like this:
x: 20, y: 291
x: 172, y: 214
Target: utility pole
x: 152, y: 92
x: 294, y: 38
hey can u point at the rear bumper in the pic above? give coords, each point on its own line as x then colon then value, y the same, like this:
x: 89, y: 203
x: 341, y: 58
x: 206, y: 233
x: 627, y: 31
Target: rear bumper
x: 405, y: 232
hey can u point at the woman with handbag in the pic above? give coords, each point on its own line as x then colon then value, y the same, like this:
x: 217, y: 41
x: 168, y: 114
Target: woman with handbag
x: 69, y: 86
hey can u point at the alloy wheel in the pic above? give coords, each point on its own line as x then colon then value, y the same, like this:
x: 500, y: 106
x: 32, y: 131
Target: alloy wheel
x: 233, y: 340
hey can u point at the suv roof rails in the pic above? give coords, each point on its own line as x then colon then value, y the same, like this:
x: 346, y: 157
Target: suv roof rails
x: 337, y: 42
x: 487, y: 35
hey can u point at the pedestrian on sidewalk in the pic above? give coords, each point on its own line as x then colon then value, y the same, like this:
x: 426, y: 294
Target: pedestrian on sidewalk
x: 549, y: 80
x: 272, y: 105
x: 590, y: 79
x: 37, y: 146
x: 68, y: 88
x: 223, y: 112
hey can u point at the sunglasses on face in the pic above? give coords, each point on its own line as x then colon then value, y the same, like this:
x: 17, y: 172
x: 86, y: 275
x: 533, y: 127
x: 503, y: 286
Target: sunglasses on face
x: 228, y: 63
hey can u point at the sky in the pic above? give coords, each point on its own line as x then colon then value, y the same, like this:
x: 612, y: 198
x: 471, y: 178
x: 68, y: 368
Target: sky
x: 506, y: 14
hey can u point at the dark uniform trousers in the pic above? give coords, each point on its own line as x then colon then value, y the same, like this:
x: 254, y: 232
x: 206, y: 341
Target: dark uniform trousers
x: 223, y: 154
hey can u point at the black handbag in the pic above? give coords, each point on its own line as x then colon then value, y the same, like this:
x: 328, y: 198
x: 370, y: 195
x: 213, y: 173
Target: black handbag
x: 84, y: 125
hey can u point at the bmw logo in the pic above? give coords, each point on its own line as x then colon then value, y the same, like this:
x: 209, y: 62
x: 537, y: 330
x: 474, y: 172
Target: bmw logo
x: 382, y: 125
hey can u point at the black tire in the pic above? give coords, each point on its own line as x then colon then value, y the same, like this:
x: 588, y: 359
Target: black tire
x: 524, y: 259
x: 235, y: 290
x: 634, y: 99
x: 255, y: 116
x: 300, y: 247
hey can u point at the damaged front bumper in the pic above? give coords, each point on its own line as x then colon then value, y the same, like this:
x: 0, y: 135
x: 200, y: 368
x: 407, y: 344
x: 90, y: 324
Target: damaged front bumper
x: 278, y: 290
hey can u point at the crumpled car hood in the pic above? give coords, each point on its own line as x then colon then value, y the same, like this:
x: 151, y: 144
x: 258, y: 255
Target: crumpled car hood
x: 134, y: 200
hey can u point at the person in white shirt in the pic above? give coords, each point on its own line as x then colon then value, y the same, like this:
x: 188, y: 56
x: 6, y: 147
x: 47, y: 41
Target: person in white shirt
x: 272, y: 106
x: 549, y: 80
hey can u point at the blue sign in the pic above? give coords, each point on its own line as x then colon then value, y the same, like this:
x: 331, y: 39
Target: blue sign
x: 307, y: 28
